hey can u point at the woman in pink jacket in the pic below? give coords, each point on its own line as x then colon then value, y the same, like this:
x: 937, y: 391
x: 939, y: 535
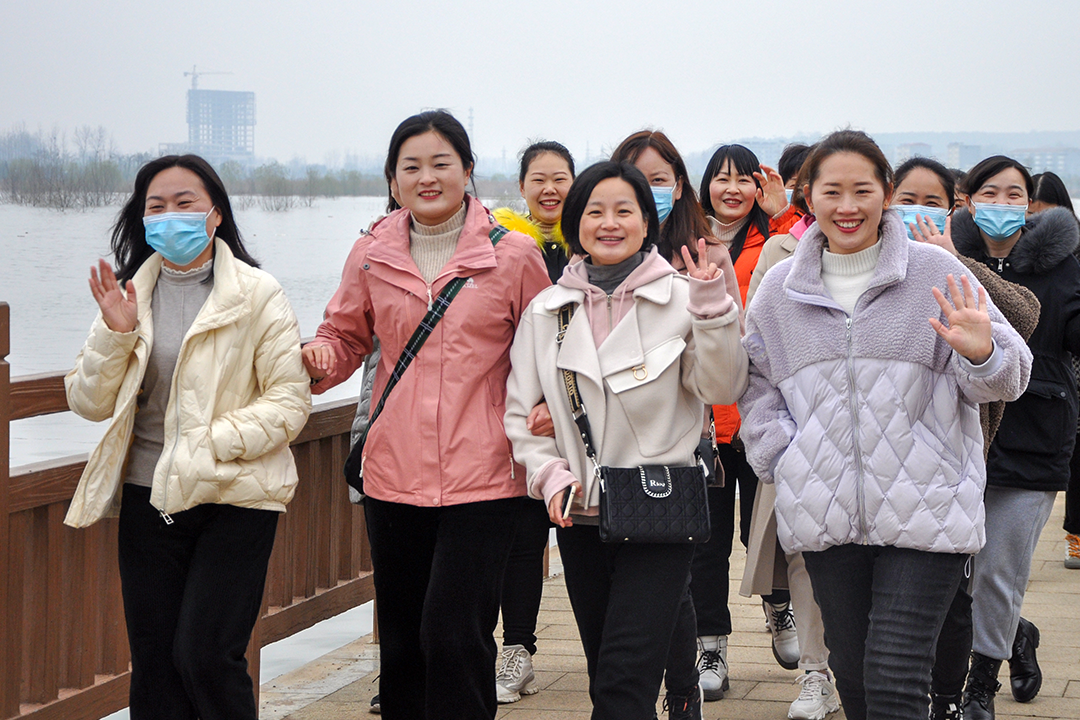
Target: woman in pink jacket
x: 443, y: 491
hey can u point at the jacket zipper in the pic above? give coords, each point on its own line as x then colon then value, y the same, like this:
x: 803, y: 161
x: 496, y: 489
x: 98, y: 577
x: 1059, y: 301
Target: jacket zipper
x: 609, y: 313
x: 430, y: 301
x: 859, y: 498
x: 1001, y: 264
x: 176, y: 440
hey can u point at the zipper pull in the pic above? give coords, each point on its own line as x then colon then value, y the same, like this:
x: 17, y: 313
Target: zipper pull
x: 430, y: 300
x: 1001, y: 264
x: 165, y: 516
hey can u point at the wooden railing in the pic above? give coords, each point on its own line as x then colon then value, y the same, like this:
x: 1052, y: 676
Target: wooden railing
x: 63, y: 644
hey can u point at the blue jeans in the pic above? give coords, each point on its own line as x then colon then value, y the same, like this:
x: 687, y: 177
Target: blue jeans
x: 882, y: 608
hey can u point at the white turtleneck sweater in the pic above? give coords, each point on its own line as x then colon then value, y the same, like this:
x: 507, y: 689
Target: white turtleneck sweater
x: 846, y: 277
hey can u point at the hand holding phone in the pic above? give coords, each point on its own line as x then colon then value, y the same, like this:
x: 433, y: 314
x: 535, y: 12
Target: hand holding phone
x: 568, y: 500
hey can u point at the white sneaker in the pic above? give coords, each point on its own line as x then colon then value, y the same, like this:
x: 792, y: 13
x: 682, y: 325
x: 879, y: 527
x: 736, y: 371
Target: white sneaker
x: 712, y: 666
x: 785, y: 640
x: 515, y: 676
x: 816, y: 699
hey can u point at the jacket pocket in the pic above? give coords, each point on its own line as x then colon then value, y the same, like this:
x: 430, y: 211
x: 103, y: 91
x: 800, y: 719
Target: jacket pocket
x: 1038, y: 422
x: 652, y: 398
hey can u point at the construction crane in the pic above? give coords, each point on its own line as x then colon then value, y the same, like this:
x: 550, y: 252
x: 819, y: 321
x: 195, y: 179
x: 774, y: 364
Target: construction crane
x: 195, y: 76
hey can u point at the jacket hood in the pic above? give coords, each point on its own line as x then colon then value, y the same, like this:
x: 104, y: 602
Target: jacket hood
x: 512, y: 220
x: 1048, y: 238
x: 653, y: 267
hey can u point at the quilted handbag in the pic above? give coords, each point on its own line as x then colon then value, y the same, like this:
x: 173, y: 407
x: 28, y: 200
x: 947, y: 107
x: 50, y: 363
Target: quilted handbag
x: 644, y: 504
x: 654, y: 504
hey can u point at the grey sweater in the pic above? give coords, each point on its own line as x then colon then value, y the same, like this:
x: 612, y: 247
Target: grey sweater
x: 177, y: 300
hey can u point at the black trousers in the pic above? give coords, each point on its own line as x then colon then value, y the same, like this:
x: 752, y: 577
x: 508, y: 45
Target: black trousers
x: 627, y: 598
x: 882, y: 608
x: 192, y: 592
x: 523, y: 584
x: 438, y: 578
x: 712, y: 560
x: 1072, y: 494
x: 954, y: 643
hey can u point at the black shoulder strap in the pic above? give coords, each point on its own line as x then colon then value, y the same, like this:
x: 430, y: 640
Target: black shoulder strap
x: 577, y: 407
x: 424, y: 329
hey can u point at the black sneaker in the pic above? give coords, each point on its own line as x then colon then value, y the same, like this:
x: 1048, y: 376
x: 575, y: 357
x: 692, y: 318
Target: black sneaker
x: 683, y: 707
x: 1025, y: 676
x: 374, y: 708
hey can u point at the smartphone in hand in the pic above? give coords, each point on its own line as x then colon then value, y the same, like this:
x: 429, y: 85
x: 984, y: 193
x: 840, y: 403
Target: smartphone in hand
x: 568, y: 500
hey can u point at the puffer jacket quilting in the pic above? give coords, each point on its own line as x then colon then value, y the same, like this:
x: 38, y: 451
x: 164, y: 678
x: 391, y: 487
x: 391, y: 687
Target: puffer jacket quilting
x: 869, y: 424
x: 239, y: 395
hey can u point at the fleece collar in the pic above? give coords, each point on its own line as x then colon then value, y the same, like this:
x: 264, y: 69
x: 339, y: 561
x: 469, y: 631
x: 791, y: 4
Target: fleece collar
x: 1048, y: 238
x: 804, y: 280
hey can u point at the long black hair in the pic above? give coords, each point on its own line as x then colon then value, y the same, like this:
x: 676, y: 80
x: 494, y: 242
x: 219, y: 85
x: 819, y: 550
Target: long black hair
x: 580, y: 192
x: 743, y: 162
x: 128, y: 241
x: 437, y: 121
x: 686, y: 222
x: 1050, y: 189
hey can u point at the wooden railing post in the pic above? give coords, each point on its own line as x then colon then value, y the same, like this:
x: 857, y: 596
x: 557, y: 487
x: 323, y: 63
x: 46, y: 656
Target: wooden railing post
x: 9, y: 647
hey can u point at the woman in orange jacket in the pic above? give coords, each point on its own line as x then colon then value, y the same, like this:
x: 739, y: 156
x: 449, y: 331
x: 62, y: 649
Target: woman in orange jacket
x: 745, y: 203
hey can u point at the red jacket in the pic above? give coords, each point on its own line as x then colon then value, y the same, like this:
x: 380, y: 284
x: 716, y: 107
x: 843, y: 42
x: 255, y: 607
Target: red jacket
x: 440, y: 438
x: 726, y: 417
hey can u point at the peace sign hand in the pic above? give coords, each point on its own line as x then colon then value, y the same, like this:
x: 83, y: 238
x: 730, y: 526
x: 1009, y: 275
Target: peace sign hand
x: 968, y: 331
x: 771, y: 195
x: 707, y: 270
x: 120, y: 313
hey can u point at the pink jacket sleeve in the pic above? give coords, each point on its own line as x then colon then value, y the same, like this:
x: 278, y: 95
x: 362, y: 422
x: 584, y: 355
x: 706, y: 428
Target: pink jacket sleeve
x: 347, y: 323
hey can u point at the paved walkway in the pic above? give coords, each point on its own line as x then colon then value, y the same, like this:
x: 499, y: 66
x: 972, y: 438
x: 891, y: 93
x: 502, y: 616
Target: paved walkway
x: 340, y: 684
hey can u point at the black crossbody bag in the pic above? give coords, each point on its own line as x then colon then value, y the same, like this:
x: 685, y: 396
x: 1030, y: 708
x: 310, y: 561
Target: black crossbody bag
x: 354, y: 465
x: 644, y: 504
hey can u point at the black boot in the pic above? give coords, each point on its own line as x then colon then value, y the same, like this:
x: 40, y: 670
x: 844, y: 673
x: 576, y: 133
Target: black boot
x: 1024, y: 673
x: 982, y: 685
x: 945, y: 707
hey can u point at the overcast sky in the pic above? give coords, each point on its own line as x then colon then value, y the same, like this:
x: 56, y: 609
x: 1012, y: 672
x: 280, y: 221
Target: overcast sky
x: 335, y: 77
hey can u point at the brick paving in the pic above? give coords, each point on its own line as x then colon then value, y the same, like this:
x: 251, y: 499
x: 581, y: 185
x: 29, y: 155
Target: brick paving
x: 341, y: 683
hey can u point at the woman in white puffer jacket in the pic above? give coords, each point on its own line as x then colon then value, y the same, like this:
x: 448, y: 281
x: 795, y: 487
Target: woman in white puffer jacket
x: 196, y: 365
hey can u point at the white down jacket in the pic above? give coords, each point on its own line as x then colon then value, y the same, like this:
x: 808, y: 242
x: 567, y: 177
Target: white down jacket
x: 868, y: 424
x: 239, y: 395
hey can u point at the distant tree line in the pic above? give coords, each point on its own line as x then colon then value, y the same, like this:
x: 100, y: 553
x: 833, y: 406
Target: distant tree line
x: 85, y: 170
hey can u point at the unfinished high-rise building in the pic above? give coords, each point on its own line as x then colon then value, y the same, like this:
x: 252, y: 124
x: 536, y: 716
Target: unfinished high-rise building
x: 221, y: 124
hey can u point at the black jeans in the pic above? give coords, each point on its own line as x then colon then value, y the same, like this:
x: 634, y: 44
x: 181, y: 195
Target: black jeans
x: 882, y: 608
x: 1072, y: 494
x: 523, y: 584
x: 438, y: 578
x: 712, y: 560
x: 192, y: 592
x: 626, y: 599
x: 954, y: 643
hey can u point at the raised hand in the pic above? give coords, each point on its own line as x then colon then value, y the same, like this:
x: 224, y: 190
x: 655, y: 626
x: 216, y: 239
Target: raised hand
x: 927, y: 232
x: 771, y: 195
x: 318, y: 360
x: 706, y: 270
x: 120, y: 312
x: 968, y: 329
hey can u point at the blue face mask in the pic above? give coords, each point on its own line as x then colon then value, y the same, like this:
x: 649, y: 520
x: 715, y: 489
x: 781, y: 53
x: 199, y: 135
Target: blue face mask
x: 934, y: 215
x: 1000, y: 222
x: 663, y: 196
x: 789, y: 192
x: 178, y: 236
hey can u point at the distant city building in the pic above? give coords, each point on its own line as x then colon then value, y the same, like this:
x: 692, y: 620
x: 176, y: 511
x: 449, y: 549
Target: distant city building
x: 909, y: 150
x: 1061, y: 160
x: 963, y: 157
x: 221, y: 124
